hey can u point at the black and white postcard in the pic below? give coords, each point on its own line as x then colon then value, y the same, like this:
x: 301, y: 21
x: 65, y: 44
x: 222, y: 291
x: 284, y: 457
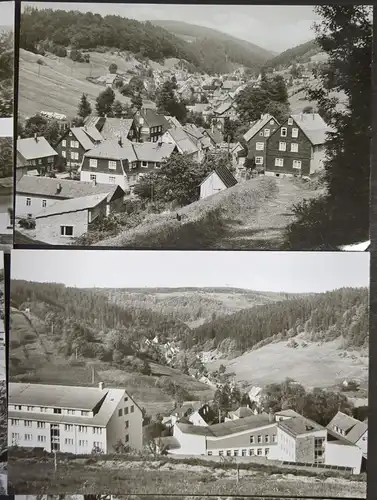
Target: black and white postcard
x: 167, y: 126
x: 138, y: 372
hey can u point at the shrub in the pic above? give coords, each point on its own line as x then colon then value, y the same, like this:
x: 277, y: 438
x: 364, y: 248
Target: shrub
x: 27, y: 223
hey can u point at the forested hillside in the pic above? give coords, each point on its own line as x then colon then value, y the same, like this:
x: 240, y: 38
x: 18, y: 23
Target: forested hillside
x: 88, y: 31
x: 321, y: 317
x: 299, y: 54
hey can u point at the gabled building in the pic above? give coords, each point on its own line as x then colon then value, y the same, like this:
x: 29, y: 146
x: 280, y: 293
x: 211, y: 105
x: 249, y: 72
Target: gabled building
x: 351, y: 429
x: 256, y: 138
x: 214, y: 134
x: 34, y: 155
x: 33, y: 194
x: 225, y: 111
x: 218, y: 180
x: 70, y: 419
x: 119, y: 128
x: 75, y: 142
x: 297, y: 147
x: 150, y: 126
x: 183, y: 142
x: 241, y: 412
x: 191, y: 412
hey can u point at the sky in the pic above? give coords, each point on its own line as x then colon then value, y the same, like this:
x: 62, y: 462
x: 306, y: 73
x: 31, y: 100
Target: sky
x: 7, y: 14
x: 272, y: 27
x: 291, y: 272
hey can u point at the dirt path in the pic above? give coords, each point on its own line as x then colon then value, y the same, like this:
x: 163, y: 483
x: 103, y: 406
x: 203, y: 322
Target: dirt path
x: 265, y: 230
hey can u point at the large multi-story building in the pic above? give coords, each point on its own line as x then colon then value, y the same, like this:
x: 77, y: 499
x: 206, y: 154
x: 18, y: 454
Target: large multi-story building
x: 72, y: 419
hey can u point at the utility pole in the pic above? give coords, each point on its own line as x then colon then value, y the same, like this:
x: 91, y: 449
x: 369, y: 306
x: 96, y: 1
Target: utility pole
x: 92, y: 374
x: 55, y: 461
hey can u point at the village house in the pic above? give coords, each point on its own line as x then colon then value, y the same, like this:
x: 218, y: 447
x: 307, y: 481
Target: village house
x: 218, y: 180
x: 225, y: 111
x: 112, y: 128
x: 63, y: 222
x: 256, y: 139
x: 229, y: 86
x: 214, y: 134
x: 351, y: 429
x: 150, y: 125
x: 34, y: 194
x: 75, y: 142
x: 255, y: 395
x: 297, y: 147
x: 241, y: 412
x: 34, y: 156
x: 184, y: 143
x: 69, y: 419
x: 195, y: 412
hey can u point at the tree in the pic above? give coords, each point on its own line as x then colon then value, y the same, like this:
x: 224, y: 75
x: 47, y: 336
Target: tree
x: 113, y: 68
x: 137, y: 101
x: 146, y: 369
x: 105, y: 101
x: 6, y: 157
x: 167, y: 103
x: 185, y: 368
x: 341, y: 216
x: 84, y: 109
x: 117, y: 109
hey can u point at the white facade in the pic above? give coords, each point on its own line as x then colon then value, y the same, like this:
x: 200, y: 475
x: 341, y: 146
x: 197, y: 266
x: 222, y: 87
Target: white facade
x: 343, y: 455
x: 102, y: 178
x: 190, y: 444
x: 212, y: 185
x: 30, y: 205
x: 317, y: 159
x: 116, y: 418
x: 196, y: 419
x: 362, y: 443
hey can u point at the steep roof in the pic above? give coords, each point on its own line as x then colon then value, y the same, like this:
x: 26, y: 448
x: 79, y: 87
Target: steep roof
x: 314, y: 127
x: 172, y: 120
x: 182, y: 139
x: 153, y: 119
x: 242, y: 412
x: 257, y: 125
x: 48, y: 187
x: 115, y: 127
x: 226, y: 176
x: 228, y: 428
x: 72, y: 205
x: 31, y: 148
x: 82, y: 137
x: 287, y: 413
x: 215, y: 135
x: 92, y: 132
x: 343, y: 422
x: 299, y: 425
x: 111, y: 149
x: 153, y: 151
x: 223, y: 107
x: 357, y: 432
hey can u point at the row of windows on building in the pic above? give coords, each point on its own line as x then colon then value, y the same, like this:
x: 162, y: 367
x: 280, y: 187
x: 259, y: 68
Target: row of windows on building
x: 259, y: 146
x: 73, y: 144
x: 28, y: 202
x: 39, y: 161
x: 244, y: 453
x: 112, y: 165
x: 67, y: 427
x: 279, y: 162
x: 124, y: 411
x: 260, y: 439
x: 283, y: 131
x: 44, y: 409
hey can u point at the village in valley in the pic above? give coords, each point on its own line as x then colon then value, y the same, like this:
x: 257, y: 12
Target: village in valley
x: 161, y: 154
x: 178, y: 384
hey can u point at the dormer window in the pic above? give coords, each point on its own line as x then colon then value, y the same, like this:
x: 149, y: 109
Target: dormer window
x: 283, y: 132
x: 290, y: 121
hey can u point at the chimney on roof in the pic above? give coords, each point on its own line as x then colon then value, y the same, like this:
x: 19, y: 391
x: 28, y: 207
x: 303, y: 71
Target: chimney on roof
x: 313, y: 114
x: 59, y: 188
x: 100, y: 386
x: 36, y: 137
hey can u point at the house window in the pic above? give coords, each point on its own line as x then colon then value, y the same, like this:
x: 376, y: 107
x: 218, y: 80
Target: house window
x: 126, y: 410
x: 244, y: 453
x: 127, y: 422
x: 112, y: 165
x: 259, y: 160
x: 84, y: 413
x: 14, y: 421
x: 41, y: 439
x: 83, y: 428
x: 15, y: 436
x: 274, y: 438
x: 290, y: 121
x: 259, y: 439
x: 112, y: 179
x: 125, y: 399
x: 28, y: 437
x: 97, y: 444
x: 68, y: 427
x: 271, y: 122
x: 64, y: 143
x: 267, y: 132
x: 120, y: 412
x: 28, y: 202
x: 97, y: 430
x: 93, y: 177
x: 261, y: 133
x: 83, y: 442
x: 209, y: 453
x: 279, y: 162
x: 252, y: 440
x: 297, y: 164
x: 295, y: 133
x: 28, y: 423
x: 74, y: 144
x: 283, y: 132
x: 251, y: 452
x: 126, y: 438
x: 41, y: 425
x: 282, y: 146
x: 57, y: 410
x: 74, y: 156
x: 68, y: 441
x: 93, y: 163
x: 259, y: 451
x: 267, y: 451
x: 30, y: 408
x: 235, y: 453
x: 144, y: 163
x: 70, y: 412
x: 267, y: 438
x: 44, y: 203
x: 294, y: 147
x: 228, y: 453
x: 259, y: 146
x: 64, y: 154
x: 221, y: 453
x: 66, y: 231
x: 39, y: 161
x: 132, y: 408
